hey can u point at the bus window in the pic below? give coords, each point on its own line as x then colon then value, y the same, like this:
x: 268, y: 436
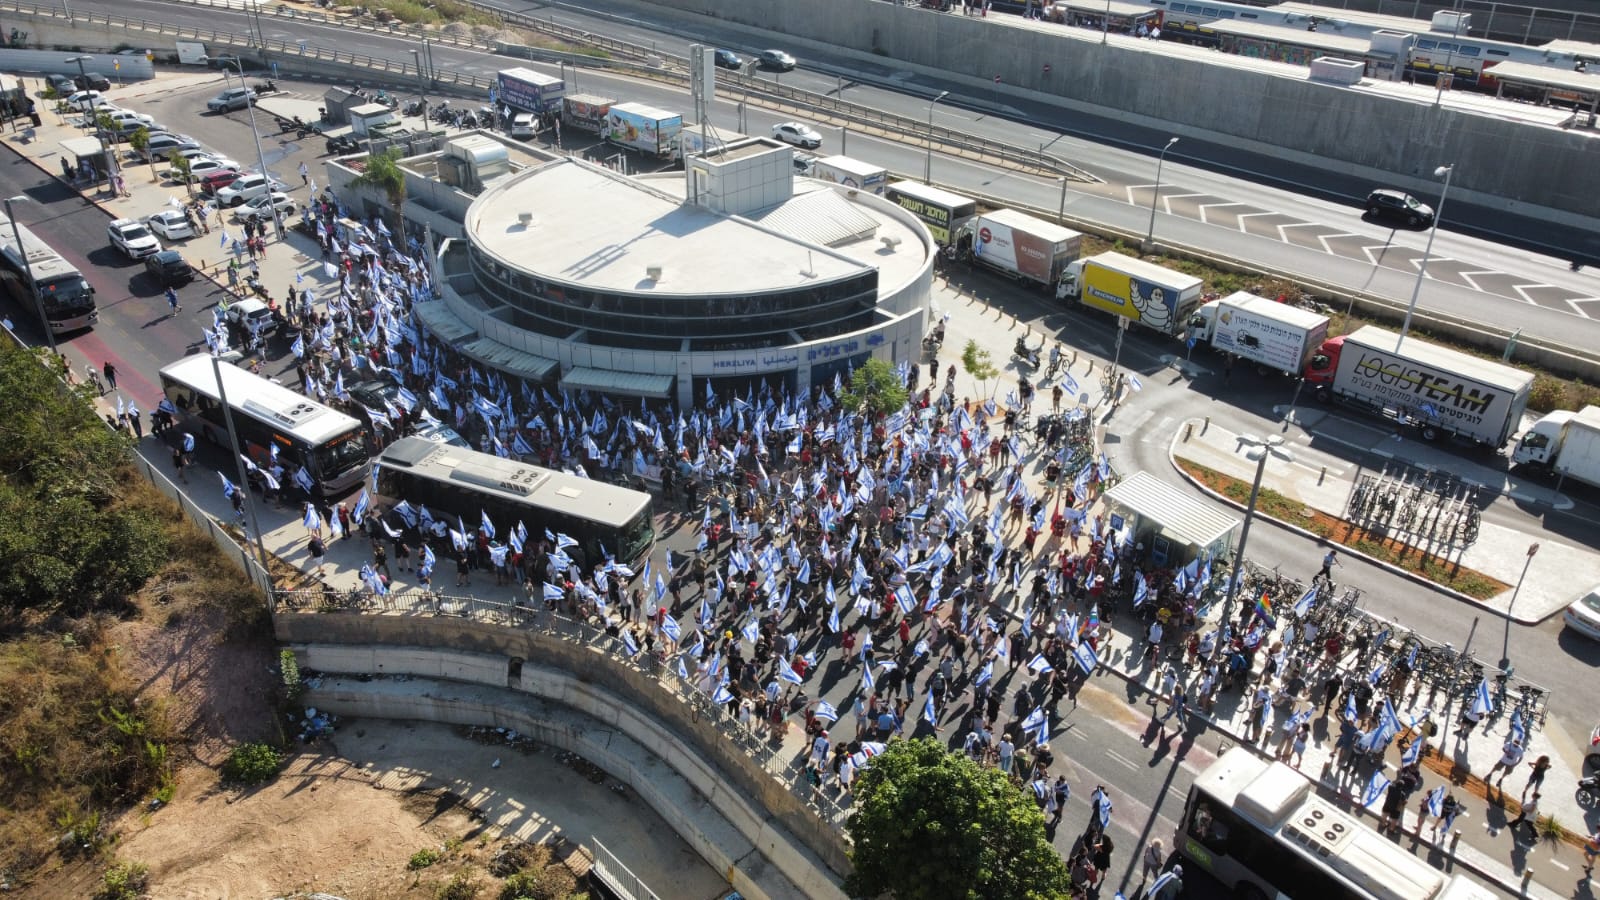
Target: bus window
x: 1204, y: 827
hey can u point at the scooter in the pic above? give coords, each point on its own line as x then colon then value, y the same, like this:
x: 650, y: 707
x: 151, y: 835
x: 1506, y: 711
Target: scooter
x: 1589, y: 791
x: 412, y: 108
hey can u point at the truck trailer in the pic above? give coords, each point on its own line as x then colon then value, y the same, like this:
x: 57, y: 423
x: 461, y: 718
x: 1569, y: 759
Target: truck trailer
x: 852, y: 173
x: 644, y: 128
x: 1438, y: 390
x: 585, y: 112
x: 1564, y: 442
x: 1143, y: 293
x: 1019, y: 245
x: 524, y: 89
x: 1272, y: 335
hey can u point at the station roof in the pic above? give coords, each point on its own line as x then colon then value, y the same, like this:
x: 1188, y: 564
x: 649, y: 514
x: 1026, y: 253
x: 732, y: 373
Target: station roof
x: 1585, y: 83
x: 1318, y: 40
x: 1179, y: 515
x: 593, y: 228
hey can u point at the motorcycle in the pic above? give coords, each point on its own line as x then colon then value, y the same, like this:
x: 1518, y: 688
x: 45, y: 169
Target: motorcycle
x: 443, y: 114
x: 266, y: 87
x: 1589, y: 791
x: 413, y: 108
x: 1024, y: 353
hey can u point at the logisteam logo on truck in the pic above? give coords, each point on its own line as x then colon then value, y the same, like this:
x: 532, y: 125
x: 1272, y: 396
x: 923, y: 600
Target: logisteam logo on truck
x: 1402, y: 378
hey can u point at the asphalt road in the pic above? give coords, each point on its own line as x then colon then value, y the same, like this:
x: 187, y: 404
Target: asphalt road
x: 1294, y: 218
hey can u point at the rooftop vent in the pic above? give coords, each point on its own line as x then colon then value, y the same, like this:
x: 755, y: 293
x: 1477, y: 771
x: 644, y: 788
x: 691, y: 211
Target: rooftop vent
x: 526, y: 218
x: 890, y: 242
x: 653, y: 273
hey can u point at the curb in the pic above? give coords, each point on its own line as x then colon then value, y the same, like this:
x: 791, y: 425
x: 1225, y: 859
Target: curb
x: 1172, y: 457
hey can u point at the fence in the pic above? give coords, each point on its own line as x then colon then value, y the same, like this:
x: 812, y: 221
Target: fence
x: 654, y: 666
x: 618, y: 878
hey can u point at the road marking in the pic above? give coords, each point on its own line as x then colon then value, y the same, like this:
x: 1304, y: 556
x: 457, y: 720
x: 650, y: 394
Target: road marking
x: 1284, y: 236
x: 1560, y: 865
x: 1132, y: 201
x: 1325, y: 238
x: 1243, y: 216
x: 1166, y: 202
x: 1122, y: 760
x: 1376, y: 259
x: 1205, y: 206
x: 1077, y: 734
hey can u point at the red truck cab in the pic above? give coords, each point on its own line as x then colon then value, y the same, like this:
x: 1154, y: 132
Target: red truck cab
x: 1324, y: 362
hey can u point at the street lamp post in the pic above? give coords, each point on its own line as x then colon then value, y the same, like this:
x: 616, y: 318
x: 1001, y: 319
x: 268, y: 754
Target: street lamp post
x: 1422, y: 271
x: 1150, y: 233
x: 1260, y: 450
x: 238, y: 460
x: 927, y: 167
x: 1505, y: 647
x: 1061, y: 210
x: 27, y: 265
x: 261, y: 157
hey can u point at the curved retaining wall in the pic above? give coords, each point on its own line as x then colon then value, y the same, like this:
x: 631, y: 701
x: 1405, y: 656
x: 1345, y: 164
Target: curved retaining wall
x: 792, y: 836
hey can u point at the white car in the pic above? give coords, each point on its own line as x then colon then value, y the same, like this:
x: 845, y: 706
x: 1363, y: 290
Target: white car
x: 201, y: 166
x: 171, y: 224
x: 133, y: 238
x: 797, y: 134
x: 80, y: 99
x: 257, y: 208
x: 248, y: 187
x: 163, y: 143
x: 1583, y: 616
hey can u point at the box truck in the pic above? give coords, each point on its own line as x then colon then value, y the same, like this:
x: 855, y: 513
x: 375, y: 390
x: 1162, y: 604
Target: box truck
x: 643, y: 128
x: 523, y: 88
x: 1272, y: 335
x: 1438, y: 390
x: 1019, y: 245
x: 1144, y: 293
x: 852, y: 173
x: 1565, y: 442
x: 585, y: 112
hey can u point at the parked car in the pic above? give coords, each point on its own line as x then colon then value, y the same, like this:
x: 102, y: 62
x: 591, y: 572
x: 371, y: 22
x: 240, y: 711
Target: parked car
x: 92, y: 81
x: 257, y: 207
x: 1583, y: 616
x: 231, y: 99
x: 797, y: 134
x: 88, y: 100
x: 775, y: 59
x: 162, y: 143
x: 248, y: 187
x: 171, y: 224
x: 169, y: 268
x: 119, y: 116
x: 132, y: 238
x: 727, y: 59
x: 1399, y: 206
x: 61, y: 84
x: 217, y: 180
x: 201, y: 166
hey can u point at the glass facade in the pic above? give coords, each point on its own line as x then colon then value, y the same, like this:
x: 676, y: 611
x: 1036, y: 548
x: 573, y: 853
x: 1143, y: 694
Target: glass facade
x: 647, y: 321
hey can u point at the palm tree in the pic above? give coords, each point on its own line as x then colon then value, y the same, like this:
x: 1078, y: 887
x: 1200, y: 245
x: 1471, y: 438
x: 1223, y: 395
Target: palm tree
x: 383, y: 172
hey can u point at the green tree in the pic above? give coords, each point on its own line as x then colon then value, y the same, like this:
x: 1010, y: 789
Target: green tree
x: 384, y: 173
x: 977, y: 362
x: 874, y: 389
x: 934, y: 825
x: 140, y: 142
x: 180, y: 165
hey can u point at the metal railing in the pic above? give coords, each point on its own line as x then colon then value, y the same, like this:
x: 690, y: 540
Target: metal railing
x: 416, y: 602
x: 620, y: 879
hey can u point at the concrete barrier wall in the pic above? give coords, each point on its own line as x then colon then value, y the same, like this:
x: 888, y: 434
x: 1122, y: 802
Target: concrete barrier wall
x: 1527, y: 167
x: 596, y: 681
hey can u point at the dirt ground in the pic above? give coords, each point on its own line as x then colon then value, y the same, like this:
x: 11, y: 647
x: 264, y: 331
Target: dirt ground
x: 346, y: 816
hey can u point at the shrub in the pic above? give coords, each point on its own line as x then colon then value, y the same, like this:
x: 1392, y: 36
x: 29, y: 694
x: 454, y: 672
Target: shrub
x: 252, y: 764
x: 552, y: 883
x: 460, y: 887
x: 1547, y: 393
x: 423, y: 858
x: 293, y: 687
x: 123, y: 881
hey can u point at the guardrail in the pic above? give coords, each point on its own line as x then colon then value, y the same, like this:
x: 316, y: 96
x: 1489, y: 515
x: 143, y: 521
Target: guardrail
x: 415, y: 602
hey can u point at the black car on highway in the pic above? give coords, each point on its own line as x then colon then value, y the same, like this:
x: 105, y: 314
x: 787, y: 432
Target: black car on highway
x: 1399, y: 206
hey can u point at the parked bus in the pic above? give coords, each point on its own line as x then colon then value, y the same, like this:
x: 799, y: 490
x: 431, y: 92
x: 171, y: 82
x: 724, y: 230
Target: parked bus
x: 466, y: 484
x: 329, y: 444
x: 943, y: 212
x: 66, y: 296
x: 1261, y: 829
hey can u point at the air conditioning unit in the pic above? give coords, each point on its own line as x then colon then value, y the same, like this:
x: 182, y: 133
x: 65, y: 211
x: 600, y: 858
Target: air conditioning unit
x: 525, y: 219
x: 653, y: 273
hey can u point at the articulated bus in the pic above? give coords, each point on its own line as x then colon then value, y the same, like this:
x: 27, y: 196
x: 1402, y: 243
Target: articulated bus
x: 466, y: 484
x: 1261, y: 829
x: 943, y: 212
x: 329, y: 444
x: 65, y: 294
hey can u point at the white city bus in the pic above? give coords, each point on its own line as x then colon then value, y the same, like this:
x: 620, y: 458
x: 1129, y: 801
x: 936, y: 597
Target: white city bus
x: 65, y: 295
x: 329, y: 444
x: 1262, y: 830
x: 467, y: 484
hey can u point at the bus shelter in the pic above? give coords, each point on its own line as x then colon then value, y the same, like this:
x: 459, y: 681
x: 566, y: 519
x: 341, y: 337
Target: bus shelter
x: 1173, y: 526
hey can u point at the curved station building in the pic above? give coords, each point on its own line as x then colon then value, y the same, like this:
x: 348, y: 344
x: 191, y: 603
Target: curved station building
x: 730, y: 273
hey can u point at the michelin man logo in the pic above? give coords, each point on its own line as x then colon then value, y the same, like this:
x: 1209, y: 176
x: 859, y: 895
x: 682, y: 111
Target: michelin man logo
x: 1151, y: 302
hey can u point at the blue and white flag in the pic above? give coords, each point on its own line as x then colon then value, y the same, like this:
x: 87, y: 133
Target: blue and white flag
x: 311, y: 519
x: 1375, y: 788
x: 930, y: 713
x: 362, y: 501
x: 1084, y: 654
x: 671, y: 628
x: 227, y: 487
x: 1436, y: 801
x: 787, y: 672
x: 1350, y: 713
x: 628, y: 643
x: 984, y: 674
x: 1518, y: 732
x: 1040, y: 665
x: 1303, y: 606
x: 1413, y: 752
x: 825, y: 710
x: 553, y: 592
x: 1481, y: 701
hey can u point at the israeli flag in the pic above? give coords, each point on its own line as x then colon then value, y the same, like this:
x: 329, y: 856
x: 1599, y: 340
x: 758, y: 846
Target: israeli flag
x: 360, y: 512
x: 866, y: 680
x: 553, y: 592
x: 1481, y: 701
x: 1436, y: 801
x: 1135, y: 383
x: 1350, y: 714
x: 905, y: 599
x: 751, y: 632
x: 661, y: 588
x: 1141, y: 591
x: 1035, y: 719
x: 1084, y: 654
x: 825, y: 710
x: 1040, y: 665
x: 984, y: 674
x: 930, y: 713
x: 721, y: 694
x: 227, y: 486
x: 629, y: 644
x: 1518, y: 732
x: 1375, y: 789
x: 1413, y: 752
x: 671, y: 628
x: 1104, y: 812
x: 787, y: 672
x: 311, y: 519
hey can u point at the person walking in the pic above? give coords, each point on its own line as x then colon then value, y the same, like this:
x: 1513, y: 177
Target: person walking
x: 1168, y: 886
x: 172, y: 301
x: 1155, y: 856
x: 1527, y: 815
x: 1591, y: 849
x: 1328, y: 562
x: 318, y: 551
x: 1178, y: 706
x: 111, y: 374
x: 305, y: 175
x: 1510, y: 756
x: 1536, y: 776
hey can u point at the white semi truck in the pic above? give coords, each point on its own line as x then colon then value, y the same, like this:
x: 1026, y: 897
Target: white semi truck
x: 1019, y: 245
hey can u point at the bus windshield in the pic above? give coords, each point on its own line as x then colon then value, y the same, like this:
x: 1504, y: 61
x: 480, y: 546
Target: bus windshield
x: 339, y: 454
x: 69, y: 293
